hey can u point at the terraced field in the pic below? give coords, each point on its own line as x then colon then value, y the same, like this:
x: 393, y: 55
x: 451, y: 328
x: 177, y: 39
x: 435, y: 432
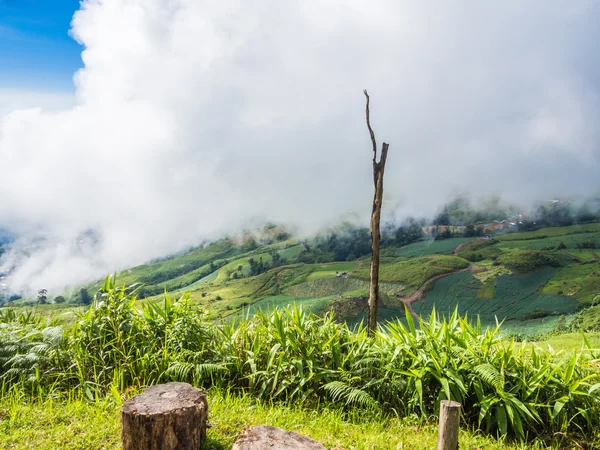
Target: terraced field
x: 416, y: 271
x: 551, y: 232
x: 531, y: 280
x: 431, y: 247
x: 571, y: 241
x: 315, y: 305
x: 580, y: 281
x: 514, y: 297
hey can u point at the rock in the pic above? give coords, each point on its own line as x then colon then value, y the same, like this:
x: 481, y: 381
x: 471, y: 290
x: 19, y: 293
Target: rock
x: 168, y: 416
x: 262, y: 437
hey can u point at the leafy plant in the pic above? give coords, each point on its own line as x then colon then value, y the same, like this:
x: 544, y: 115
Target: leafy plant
x: 287, y: 355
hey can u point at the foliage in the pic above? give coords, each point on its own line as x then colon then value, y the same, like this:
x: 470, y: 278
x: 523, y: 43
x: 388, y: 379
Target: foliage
x: 430, y: 247
x: 77, y: 423
x: 571, y: 241
x: 588, y: 319
x: 479, y: 249
x: 43, y: 296
x: 513, y: 297
x: 173, y: 267
x: 581, y: 281
x: 349, y: 244
x: 415, y: 271
x: 289, y: 355
x: 527, y: 260
x: 84, y: 297
x: 327, y: 286
x: 405, y: 234
x: 551, y: 232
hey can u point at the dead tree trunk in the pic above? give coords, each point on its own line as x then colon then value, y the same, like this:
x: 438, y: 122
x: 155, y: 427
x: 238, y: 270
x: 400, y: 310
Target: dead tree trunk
x: 168, y: 416
x: 378, y: 169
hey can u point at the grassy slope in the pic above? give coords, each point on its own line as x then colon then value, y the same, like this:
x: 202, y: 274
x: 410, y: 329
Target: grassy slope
x: 511, y: 253
x: 77, y: 424
x: 515, y: 297
x: 415, y: 271
x: 550, y: 232
x: 569, y: 342
x: 570, y: 241
x: 581, y: 281
x: 192, y: 260
x: 422, y: 248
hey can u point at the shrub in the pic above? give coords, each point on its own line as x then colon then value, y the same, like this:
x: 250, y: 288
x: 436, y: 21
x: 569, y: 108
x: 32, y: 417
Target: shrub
x: 289, y: 355
x: 527, y: 260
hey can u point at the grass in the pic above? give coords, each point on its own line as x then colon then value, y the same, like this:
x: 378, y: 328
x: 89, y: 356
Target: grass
x: 416, y: 271
x: 585, y: 255
x: 170, y: 268
x: 51, y: 424
x: 431, y: 247
x: 570, y: 342
x: 527, y: 260
x: 289, y: 356
x: 581, y: 281
x: 588, y: 319
x: 327, y: 286
x: 534, y: 329
x: 550, y: 232
x: 479, y: 249
x: 312, y: 304
x: 485, y: 271
x: 569, y: 241
x: 513, y: 297
x: 202, y: 281
x: 329, y: 270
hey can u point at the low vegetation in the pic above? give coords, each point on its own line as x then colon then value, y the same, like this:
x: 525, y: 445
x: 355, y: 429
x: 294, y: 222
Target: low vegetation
x: 527, y: 260
x: 416, y: 271
x: 506, y: 389
x: 430, y: 247
x: 82, y: 424
x: 505, y: 298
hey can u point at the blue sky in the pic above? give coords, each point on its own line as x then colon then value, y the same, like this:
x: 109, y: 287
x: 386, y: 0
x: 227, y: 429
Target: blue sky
x: 36, y: 51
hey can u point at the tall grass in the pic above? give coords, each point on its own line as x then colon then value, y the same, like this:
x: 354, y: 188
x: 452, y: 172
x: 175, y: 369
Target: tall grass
x: 506, y: 389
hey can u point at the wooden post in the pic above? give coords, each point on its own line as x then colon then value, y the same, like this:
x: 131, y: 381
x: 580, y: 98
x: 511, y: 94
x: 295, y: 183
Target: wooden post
x: 449, y: 421
x: 168, y: 416
x: 378, y: 169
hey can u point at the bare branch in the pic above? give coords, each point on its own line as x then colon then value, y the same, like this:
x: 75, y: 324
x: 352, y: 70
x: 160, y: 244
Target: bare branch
x: 371, y: 130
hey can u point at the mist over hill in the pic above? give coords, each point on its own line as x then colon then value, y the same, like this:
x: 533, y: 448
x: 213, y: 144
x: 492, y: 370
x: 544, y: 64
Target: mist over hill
x: 193, y: 120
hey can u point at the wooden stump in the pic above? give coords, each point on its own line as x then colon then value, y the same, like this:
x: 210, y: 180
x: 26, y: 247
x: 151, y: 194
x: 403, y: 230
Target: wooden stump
x: 449, y: 423
x: 262, y: 437
x: 168, y: 416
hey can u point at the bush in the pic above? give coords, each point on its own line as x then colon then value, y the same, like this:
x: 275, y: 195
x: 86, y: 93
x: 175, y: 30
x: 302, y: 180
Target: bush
x: 527, y: 260
x: 288, y: 355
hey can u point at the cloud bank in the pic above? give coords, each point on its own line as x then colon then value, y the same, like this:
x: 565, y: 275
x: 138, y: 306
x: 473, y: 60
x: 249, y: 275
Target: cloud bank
x: 192, y: 119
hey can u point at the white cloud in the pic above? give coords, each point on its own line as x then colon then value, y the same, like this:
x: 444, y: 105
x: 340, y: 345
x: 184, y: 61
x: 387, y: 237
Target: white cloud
x: 193, y: 118
x: 16, y: 99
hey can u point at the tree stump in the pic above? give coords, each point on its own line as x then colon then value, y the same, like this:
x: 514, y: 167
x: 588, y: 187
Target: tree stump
x: 262, y: 437
x: 168, y: 416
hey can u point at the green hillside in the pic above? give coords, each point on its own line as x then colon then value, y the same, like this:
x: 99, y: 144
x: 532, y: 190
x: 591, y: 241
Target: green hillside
x: 529, y: 278
x: 244, y: 311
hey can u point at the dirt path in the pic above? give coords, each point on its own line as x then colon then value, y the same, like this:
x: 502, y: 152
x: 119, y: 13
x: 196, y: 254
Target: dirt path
x: 457, y: 249
x: 416, y: 296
